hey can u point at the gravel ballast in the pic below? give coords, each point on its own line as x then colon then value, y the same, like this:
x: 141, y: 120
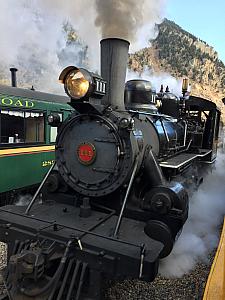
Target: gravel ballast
x: 188, y: 287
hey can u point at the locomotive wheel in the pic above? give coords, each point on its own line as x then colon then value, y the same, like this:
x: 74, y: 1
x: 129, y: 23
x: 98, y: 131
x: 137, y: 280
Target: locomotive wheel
x: 161, y: 232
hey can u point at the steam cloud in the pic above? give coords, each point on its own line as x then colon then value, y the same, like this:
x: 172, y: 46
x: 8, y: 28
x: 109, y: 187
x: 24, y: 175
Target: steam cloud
x: 32, y: 38
x: 175, y: 85
x: 201, y: 231
x: 23, y: 200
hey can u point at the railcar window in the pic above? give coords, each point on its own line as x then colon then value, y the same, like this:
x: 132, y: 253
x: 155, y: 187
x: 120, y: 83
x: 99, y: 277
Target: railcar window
x: 34, y: 127
x: 53, y: 134
x: 22, y: 127
x: 54, y: 130
x: 12, y: 126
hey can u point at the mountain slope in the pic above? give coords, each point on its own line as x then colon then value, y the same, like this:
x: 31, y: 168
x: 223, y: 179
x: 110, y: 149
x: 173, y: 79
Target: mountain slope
x: 181, y: 54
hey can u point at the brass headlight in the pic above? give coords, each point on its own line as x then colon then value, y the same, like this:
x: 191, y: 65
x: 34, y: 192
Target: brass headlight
x: 81, y: 84
x: 77, y: 84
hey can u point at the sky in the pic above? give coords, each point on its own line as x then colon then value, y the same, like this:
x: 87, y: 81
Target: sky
x: 203, y: 18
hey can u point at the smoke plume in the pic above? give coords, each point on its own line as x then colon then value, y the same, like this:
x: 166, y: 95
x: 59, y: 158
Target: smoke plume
x: 201, y: 231
x: 129, y: 19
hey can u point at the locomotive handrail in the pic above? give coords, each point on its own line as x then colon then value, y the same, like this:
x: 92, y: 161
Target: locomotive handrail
x: 38, y: 190
x: 150, y: 114
x: 126, y: 197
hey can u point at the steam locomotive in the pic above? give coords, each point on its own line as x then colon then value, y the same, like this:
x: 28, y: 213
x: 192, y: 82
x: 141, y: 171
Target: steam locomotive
x: 115, y: 200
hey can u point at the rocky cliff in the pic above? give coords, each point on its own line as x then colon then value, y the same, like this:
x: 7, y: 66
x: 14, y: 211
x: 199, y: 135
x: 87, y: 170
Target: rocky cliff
x: 181, y: 54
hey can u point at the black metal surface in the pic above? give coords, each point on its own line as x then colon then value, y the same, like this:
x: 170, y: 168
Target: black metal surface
x: 70, y: 224
x: 170, y: 105
x: 93, y: 247
x: 13, y: 76
x: 164, y: 134
x: 112, y: 163
x: 183, y: 158
x: 156, y: 229
x: 114, y: 57
x: 139, y: 92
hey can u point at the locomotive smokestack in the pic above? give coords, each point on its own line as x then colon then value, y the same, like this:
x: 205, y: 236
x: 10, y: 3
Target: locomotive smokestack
x: 13, y: 76
x: 114, y: 56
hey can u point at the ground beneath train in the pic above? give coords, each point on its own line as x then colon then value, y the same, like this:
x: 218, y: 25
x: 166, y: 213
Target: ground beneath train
x: 188, y: 287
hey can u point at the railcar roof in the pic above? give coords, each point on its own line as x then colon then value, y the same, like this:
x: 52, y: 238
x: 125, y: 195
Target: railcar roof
x: 26, y: 93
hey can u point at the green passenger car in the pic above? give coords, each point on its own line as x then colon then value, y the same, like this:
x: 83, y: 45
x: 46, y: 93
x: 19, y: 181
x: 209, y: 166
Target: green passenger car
x: 26, y: 139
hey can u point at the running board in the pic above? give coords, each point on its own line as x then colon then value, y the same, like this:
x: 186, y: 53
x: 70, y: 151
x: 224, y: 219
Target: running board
x: 183, y: 159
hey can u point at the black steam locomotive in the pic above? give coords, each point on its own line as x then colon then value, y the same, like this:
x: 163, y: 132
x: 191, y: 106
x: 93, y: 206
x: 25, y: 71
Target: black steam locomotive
x: 115, y: 201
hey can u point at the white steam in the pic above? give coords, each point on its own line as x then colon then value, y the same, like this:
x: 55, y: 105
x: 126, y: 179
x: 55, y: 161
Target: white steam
x: 201, y: 231
x: 23, y: 200
x: 29, y: 42
x: 175, y: 85
x: 32, y: 38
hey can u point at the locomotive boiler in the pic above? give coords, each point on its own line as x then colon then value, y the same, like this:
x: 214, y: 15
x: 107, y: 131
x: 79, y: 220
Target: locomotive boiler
x: 114, y: 202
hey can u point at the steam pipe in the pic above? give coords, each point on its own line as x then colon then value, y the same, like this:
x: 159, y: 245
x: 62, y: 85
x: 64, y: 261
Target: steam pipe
x: 13, y: 76
x: 114, y: 56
